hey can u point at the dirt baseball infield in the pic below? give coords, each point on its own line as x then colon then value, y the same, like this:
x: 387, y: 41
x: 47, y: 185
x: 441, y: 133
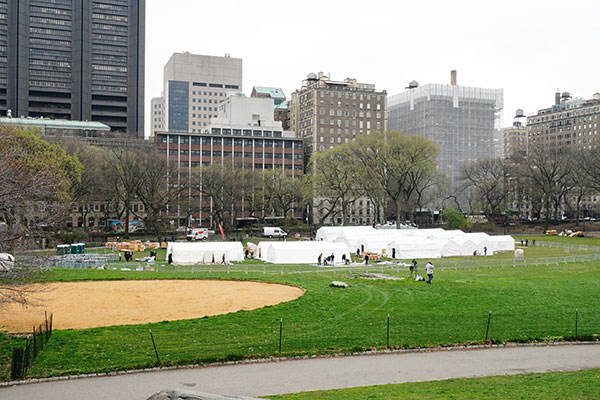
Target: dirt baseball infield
x: 81, y: 305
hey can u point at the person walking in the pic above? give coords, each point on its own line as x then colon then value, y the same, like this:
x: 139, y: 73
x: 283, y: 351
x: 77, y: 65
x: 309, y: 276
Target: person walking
x: 485, y: 251
x: 366, y: 258
x: 413, y: 266
x: 319, y: 259
x: 332, y: 259
x: 429, y: 271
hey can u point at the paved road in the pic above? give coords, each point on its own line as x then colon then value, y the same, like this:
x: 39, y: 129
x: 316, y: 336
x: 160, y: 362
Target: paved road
x: 262, y: 379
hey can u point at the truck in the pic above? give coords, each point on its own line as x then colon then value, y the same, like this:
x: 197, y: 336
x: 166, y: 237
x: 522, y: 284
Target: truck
x: 272, y: 232
x: 197, y: 234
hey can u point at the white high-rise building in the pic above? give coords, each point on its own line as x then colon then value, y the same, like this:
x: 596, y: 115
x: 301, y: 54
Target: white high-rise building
x: 462, y: 121
x: 194, y: 85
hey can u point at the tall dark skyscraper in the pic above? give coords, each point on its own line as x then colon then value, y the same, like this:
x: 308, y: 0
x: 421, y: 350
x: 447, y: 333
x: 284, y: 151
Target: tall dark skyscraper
x: 74, y: 59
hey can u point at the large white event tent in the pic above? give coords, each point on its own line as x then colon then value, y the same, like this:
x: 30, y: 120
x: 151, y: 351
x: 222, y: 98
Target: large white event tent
x: 503, y: 243
x: 416, y: 243
x: 330, y: 233
x: 409, y: 248
x: 189, y: 253
x: 302, y: 252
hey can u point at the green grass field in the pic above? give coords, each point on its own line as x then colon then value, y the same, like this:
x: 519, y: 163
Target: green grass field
x: 527, y: 303
x: 556, y: 385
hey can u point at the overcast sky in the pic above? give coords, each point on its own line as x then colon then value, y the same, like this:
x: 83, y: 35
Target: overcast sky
x: 529, y: 47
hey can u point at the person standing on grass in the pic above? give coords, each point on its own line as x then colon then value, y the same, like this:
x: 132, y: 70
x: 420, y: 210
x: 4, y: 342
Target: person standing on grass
x: 366, y: 258
x: 413, y: 266
x: 319, y: 259
x: 429, y: 271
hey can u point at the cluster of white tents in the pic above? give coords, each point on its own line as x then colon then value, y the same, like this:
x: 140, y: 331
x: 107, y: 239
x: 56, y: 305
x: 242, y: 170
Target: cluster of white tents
x: 300, y: 252
x: 338, y: 241
x: 415, y: 243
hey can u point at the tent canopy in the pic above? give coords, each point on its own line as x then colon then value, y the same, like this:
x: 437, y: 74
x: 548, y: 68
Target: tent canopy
x: 189, y: 253
x: 303, y: 252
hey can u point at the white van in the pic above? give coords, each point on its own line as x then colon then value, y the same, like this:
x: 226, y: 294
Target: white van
x: 197, y: 234
x: 272, y: 232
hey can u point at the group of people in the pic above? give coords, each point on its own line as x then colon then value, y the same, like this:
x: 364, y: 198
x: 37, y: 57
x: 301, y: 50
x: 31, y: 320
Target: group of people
x: 428, y: 270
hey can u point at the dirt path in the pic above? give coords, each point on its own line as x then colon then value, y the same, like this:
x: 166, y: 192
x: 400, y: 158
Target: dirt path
x: 82, y: 305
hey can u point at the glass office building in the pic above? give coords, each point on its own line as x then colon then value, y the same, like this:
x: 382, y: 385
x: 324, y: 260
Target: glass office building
x: 74, y: 59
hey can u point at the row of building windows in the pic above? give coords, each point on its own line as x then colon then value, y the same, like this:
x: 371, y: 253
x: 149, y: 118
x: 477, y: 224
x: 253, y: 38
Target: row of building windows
x: 50, y: 53
x: 49, y: 74
x: 111, y: 7
x: 110, y: 58
x: 109, y: 78
x: 50, y: 63
x: 49, y: 10
x: 218, y: 153
x: 107, y: 47
x: 113, y: 68
x: 108, y: 17
x: 215, y: 85
x: 108, y: 27
x: 173, y: 139
x: 105, y: 88
x: 111, y: 38
x: 259, y: 166
x: 49, y: 42
x: 65, y: 85
x: 50, y: 21
x: 49, y: 31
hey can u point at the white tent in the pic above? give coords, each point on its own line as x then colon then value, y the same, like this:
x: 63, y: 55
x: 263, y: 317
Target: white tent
x: 330, y: 233
x: 304, y: 252
x: 483, y: 243
x: 408, y: 249
x: 503, y: 243
x: 374, y: 243
x: 186, y: 253
x: 450, y: 248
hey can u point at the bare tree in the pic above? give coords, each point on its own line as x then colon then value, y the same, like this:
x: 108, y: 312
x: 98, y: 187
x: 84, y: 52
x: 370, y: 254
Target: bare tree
x: 122, y: 166
x: 548, y: 172
x: 335, y: 181
x: 154, y: 192
x: 282, y: 193
x: 488, y: 181
x: 226, y: 187
x: 399, y: 164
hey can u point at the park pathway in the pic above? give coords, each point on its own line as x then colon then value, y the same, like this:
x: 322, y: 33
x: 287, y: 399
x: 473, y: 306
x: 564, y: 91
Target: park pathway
x: 260, y: 379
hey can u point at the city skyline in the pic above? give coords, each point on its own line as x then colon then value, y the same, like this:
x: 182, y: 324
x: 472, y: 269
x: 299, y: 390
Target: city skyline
x: 528, y: 49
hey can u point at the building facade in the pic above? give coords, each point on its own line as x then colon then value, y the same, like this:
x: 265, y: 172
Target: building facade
x: 243, y: 135
x: 460, y: 120
x: 157, y: 108
x: 569, y: 123
x: 194, y: 85
x: 77, y: 60
x: 515, y: 138
x: 281, y: 110
x: 328, y: 113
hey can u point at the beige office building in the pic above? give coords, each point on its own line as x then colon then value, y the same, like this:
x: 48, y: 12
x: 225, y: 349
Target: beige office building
x: 194, y: 85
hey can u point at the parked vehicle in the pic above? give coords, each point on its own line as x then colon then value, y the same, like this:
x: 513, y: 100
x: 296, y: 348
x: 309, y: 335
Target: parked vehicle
x: 197, y: 234
x: 272, y: 232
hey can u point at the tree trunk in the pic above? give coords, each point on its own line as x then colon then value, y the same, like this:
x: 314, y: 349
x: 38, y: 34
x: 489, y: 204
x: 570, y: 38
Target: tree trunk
x: 126, y: 234
x: 398, y: 212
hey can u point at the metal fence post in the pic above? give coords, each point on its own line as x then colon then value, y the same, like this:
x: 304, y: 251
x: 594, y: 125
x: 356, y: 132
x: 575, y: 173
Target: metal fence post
x: 154, y: 345
x: 576, y: 322
x: 487, y: 328
x: 388, y: 332
x: 280, y: 332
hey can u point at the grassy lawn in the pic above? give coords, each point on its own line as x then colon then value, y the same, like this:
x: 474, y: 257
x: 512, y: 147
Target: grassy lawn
x: 556, y: 385
x: 527, y: 303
